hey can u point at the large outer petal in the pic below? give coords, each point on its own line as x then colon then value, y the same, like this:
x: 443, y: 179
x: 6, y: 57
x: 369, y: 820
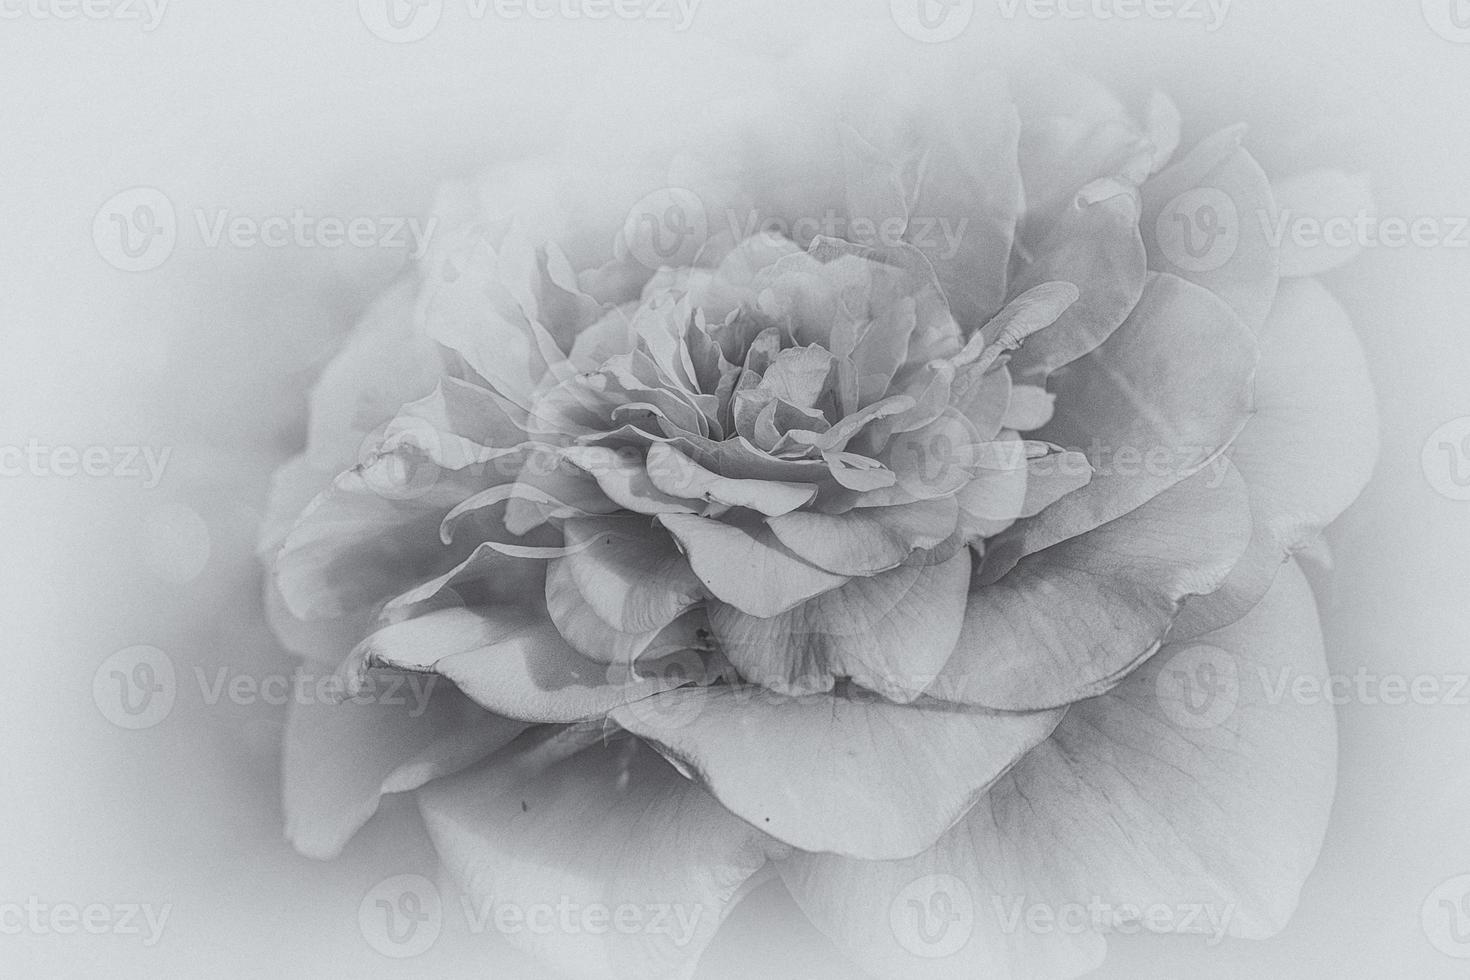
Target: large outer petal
x: 1217, y: 177
x: 1155, y: 404
x: 1306, y: 453
x: 372, y: 534
x: 1229, y: 817
x: 853, y: 775
x: 1071, y: 621
x: 610, y: 828
x: 340, y: 758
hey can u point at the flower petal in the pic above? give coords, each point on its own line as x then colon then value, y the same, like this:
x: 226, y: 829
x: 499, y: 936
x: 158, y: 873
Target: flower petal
x: 1309, y: 449
x: 629, y: 573
x: 624, y: 478
x: 1146, y: 407
x: 339, y: 759
x: 1202, y: 220
x: 1216, y: 798
x: 866, y: 540
x: 1095, y: 245
x: 612, y: 830
x: 679, y: 476
x: 1321, y: 196
x: 891, y: 633
x: 518, y: 666
x: 373, y: 533
x: 1070, y: 622
x: 747, y: 567
x: 853, y: 775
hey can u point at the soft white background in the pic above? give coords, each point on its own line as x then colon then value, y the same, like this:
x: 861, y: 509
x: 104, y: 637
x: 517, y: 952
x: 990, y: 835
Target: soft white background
x: 264, y: 108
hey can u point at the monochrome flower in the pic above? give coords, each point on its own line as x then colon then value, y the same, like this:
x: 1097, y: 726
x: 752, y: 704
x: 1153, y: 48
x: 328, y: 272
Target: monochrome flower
x: 755, y: 527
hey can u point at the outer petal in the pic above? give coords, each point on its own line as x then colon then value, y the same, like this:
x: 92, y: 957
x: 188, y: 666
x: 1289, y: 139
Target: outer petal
x: 1223, y: 810
x: 612, y: 831
x: 1320, y: 195
x: 386, y: 363
x: 1156, y: 403
x: 396, y: 735
x: 1309, y: 449
x: 1072, y: 621
x: 957, y: 166
x: 519, y: 667
x: 891, y: 633
x: 1203, y: 220
x: 852, y: 775
x: 373, y: 533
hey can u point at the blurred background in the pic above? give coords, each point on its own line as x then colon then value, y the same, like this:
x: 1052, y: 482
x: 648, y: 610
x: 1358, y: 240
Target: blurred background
x: 188, y: 376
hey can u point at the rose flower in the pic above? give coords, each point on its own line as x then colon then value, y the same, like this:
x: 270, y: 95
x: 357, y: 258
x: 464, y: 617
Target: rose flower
x: 830, y: 547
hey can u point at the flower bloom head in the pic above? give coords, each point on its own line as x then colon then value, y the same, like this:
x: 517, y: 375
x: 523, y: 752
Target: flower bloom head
x: 766, y: 528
